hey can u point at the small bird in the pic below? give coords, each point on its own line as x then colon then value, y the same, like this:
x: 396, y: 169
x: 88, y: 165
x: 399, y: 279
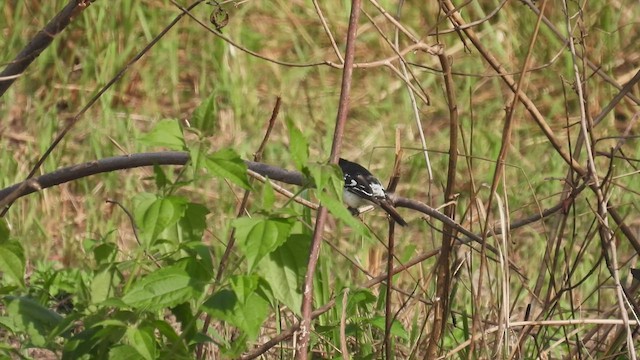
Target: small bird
x: 362, y: 188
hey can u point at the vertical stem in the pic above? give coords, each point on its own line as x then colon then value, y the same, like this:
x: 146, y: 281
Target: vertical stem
x: 389, y: 315
x: 441, y: 305
x: 314, y: 252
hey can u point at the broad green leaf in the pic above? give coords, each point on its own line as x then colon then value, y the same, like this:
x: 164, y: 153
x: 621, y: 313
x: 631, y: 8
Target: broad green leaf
x: 258, y: 237
x: 166, y: 133
x: 167, y: 287
x: 329, y: 186
x: 340, y: 211
x: 102, y: 285
x: 284, y: 270
x: 327, y: 177
x: 31, y: 318
x: 142, y: 340
x: 201, y: 253
x: 204, y: 116
x: 114, y: 323
x: 155, y: 214
x: 193, y: 222
x: 105, y: 253
x: 228, y: 165
x: 184, y: 315
x: 222, y: 303
x: 248, y: 315
x: 84, y: 343
x: 358, y: 300
x: 114, y: 302
x: 396, y: 328
x: 124, y: 352
x: 12, y: 263
x: 160, y: 177
x: 298, y: 146
x: 65, y: 328
x: 167, y: 330
x: 243, y: 286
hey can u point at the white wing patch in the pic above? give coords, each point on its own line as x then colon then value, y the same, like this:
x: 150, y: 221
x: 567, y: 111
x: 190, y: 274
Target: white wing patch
x: 378, y: 190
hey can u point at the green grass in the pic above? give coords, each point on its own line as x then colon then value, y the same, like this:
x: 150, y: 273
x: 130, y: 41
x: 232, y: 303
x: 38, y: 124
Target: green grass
x: 189, y: 64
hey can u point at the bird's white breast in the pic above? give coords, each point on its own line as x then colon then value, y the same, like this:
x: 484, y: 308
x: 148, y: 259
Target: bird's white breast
x: 353, y: 200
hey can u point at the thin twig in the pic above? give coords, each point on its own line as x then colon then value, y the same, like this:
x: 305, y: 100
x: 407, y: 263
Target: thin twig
x: 594, y: 67
x: 344, y: 349
x: 607, y: 241
x: 327, y: 31
x: 132, y: 221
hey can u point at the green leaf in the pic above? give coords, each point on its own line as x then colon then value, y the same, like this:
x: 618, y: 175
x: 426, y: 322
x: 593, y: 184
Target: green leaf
x: 166, y: 133
x: 221, y: 303
x: 160, y: 177
x: 142, y: 340
x: 258, y: 237
x: 194, y: 222
x: 154, y: 214
x: 197, y: 160
x: 124, y: 352
x: 183, y: 315
x: 168, y: 331
x: 407, y: 253
x: 65, y: 328
x: 105, y: 253
x: 201, y: 253
x: 396, y: 328
x: 247, y: 315
x: 340, y: 211
x: 284, y: 270
x: 204, y: 117
x: 102, y: 285
x: 326, y: 177
x: 81, y: 344
x: 243, y: 286
x: 330, y: 185
x: 4, y: 231
x: 31, y: 318
x: 298, y: 146
x: 359, y: 300
x: 167, y: 287
x: 12, y: 263
x: 228, y: 165
x: 268, y: 196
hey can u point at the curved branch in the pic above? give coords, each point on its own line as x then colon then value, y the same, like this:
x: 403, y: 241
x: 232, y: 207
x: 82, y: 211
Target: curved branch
x: 39, y: 43
x: 76, y: 172
x: 132, y: 161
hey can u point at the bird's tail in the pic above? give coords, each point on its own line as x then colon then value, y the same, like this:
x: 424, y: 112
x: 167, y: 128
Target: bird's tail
x: 388, y: 207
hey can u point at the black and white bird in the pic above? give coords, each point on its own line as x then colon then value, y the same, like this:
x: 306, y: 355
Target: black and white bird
x: 362, y: 188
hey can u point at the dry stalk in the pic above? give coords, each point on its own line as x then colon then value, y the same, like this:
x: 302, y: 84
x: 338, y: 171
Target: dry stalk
x: 316, y: 241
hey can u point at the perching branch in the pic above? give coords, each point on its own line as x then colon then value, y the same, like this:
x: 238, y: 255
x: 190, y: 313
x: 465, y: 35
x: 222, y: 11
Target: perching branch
x: 75, y: 172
